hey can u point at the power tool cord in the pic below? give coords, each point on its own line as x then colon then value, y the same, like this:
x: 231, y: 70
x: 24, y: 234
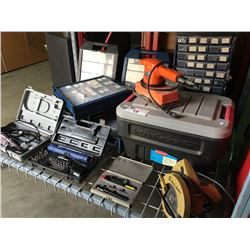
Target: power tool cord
x: 217, y: 183
x: 13, y: 132
x: 206, y: 177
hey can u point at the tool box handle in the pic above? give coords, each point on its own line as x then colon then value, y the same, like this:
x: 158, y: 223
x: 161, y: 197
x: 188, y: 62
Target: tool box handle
x: 228, y: 113
x: 130, y: 98
x: 101, y: 45
x: 160, y: 55
x: 88, y: 125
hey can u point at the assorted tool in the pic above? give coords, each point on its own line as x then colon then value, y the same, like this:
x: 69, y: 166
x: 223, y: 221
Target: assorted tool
x: 158, y: 123
x: 120, y: 181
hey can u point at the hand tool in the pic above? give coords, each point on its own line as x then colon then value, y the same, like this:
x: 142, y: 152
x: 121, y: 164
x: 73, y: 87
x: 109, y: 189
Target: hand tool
x: 111, y: 192
x: 120, y: 181
x: 73, y: 155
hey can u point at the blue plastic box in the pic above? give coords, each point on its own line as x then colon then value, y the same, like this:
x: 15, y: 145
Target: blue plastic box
x: 91, y: 97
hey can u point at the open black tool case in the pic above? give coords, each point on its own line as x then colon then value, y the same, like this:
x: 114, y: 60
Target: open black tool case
x: 73, y: 138
x: 35, y: 123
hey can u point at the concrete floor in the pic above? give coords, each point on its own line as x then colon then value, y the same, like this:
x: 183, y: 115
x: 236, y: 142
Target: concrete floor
x: 23, y: 197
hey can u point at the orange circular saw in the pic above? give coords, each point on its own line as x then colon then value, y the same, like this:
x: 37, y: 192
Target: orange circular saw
x: 183, y: 194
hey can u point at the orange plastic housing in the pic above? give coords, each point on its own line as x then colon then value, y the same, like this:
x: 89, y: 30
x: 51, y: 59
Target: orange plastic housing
x: 161, y: 97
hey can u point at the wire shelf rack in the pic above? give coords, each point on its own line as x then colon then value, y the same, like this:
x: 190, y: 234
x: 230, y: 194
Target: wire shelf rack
x: 147, y: 204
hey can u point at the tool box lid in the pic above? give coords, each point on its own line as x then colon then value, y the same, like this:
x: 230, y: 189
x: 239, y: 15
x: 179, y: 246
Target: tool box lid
x: 133, y: 169
x: 82, y: 136
x: 201, y: 114
x: 90, y: 91
x: 40, y: 109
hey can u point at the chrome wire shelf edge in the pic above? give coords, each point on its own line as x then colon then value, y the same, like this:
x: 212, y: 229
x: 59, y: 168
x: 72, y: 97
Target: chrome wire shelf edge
x: 68, y: 186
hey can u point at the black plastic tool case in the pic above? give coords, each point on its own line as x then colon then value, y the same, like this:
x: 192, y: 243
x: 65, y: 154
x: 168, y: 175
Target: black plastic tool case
x: 43, y: 111
x: 83, y: 136
x: 200, y: 135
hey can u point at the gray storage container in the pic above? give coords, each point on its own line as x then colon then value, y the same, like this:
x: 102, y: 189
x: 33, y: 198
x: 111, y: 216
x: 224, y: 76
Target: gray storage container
x: 200, y: 135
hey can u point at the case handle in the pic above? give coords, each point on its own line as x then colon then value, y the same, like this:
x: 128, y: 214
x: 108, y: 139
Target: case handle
x: 229, y: 114
x: 130, y: 98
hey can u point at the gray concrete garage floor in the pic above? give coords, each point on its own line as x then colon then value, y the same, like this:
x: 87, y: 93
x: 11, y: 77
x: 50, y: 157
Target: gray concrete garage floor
x: 23, y: 197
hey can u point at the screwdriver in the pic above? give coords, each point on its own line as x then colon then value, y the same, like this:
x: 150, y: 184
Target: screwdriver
x: 120, y: 181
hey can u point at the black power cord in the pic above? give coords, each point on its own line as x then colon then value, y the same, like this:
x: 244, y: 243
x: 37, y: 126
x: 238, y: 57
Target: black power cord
x: 15, y: 133
x: 198, y: 188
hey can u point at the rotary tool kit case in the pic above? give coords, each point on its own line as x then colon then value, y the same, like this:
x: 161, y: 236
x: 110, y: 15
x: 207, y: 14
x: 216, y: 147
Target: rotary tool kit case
x: 91, y: 97
x: 37, y: 112
x: 75, y: 147
x: 200, y: 134
x: 122, y: 168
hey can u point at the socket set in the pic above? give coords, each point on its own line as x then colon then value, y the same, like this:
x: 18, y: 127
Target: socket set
x: 205, y: 58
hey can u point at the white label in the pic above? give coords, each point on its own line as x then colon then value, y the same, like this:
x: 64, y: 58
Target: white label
x: 210, y: 66
x: 203, y: 40
x: 191, y: 57
x: 222, y: 58
x: 207, y: 89
x: 199, y: 65
x: 192, y: 39
x: 138, y: 111
x: 202, y: 49
x: 168, y: 161
x: 207, y: 81
x: 225, y: 50
x: 201, y: 57
x: 192, y: 48
x: 225, y: 40
x: 214, y: 40
x: 220, y: 74
x: 210, y: 73
x: 190, y: 64
x: 197, y: 80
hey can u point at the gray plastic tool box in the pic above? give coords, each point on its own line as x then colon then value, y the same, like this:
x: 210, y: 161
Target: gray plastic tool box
x: 94, y: 62
x: 83, y: 136
x: 41, y: 110
x: 135, y: 172
x: 200, y: 135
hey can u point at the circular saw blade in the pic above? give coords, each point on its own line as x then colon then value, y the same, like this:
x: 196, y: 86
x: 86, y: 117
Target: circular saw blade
x: 176, y: 195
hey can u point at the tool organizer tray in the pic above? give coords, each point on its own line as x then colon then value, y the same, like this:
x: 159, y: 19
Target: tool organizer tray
x: 147, y: 203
